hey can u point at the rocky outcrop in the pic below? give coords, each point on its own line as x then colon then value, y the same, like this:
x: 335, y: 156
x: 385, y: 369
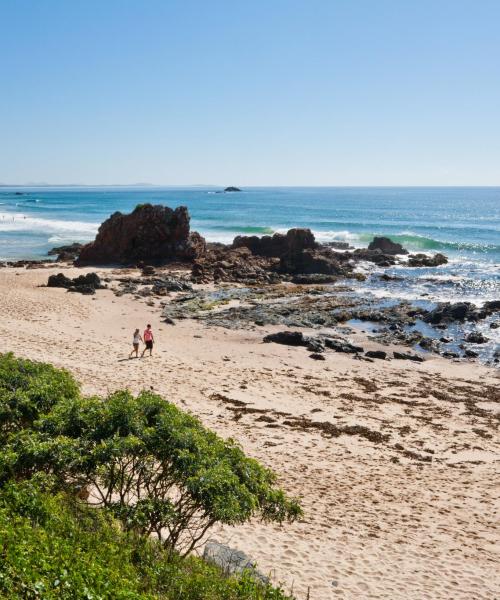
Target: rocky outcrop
x: 84, y: 284
x: 66, y: 253
x: 232, y: 188
x: 312, y: 261
x: 293, y: 242
x: 386, y: 246
x: 461, y: 311
x: 422, y: 260
x: 150, y: 233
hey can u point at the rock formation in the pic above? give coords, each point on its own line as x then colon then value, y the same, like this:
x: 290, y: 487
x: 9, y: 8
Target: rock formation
x: 150, y: 233
x: 386, y: 246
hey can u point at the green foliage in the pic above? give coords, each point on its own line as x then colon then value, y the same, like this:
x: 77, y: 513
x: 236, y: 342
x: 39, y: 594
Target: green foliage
x: 148, y: 467
x: 154, y: 465
x: 28, y: 390
x: 53, y: 547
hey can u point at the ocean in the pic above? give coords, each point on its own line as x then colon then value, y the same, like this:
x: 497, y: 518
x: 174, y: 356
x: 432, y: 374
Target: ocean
x: 463, y: 223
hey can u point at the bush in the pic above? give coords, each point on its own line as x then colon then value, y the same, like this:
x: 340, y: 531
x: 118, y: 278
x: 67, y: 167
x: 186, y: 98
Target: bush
x: 140, y: 460
x: 53, y: 547
x: 28, y: 390
x: 155, y: 466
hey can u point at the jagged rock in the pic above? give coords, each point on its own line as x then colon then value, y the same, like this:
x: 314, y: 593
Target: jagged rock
x: 152, y: 233
x: 476, y: 337
x: 293, y: 242
x: 380, y: 354
x: 83, y: 284
x: 386, y: 246
x: 231, y: 561
x: 312, y: 262
x: 375, y: 256
x: 342, y: 346
x: 470, y: 353
x: 408, y: 356
x: 66, y: 253
x: 450, y: 312
x: 60, y: 280
x: 422, y: 260
x: 289, y: 338
x: 315, y: 345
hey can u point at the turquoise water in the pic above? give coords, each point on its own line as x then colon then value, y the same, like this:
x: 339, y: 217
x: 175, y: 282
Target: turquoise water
x: 464, y: 223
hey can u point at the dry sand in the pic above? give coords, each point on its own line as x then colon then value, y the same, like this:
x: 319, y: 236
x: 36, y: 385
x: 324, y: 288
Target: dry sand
x: 413, y: 516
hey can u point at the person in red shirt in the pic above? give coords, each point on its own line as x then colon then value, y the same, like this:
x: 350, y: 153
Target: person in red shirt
x: 148, y: 340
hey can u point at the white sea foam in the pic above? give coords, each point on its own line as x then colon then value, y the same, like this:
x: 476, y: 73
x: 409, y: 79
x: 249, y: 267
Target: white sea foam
x: 23, y: 223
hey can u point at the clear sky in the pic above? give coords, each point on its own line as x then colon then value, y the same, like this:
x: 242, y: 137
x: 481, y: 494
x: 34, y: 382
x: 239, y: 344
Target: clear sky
x: 250, y: 92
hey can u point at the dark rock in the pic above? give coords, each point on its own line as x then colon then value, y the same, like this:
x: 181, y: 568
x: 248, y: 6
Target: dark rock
x: 376, y: 354
x: 152, y: 233
x: 311, y: 262
x: 83, y: 289
x: 83, y: 284
x: 60, y: 281
x: 387, y: 277
x: 422, y: 260
x: 315, y: 345
x: 342, y: 346
x: 232, y: 188
x: 316, y: 356
x: 289, y: 338
x: 449, y: 354
x: 495, y: 325
x: 66, y: 253
x: 492, y: 306
x: 293, y: 242
x: 408, y: 356
x: 460, y: 311
x: 314, y: 279
x: 386, y: 246
x: 476, y: 337
x: 470, y: 353
x: 375, y: 256
x: 148, y: 270
x: 429, y: 344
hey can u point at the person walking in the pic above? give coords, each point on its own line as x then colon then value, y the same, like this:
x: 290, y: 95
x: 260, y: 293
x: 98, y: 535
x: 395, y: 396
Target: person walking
x: 136, y: 340
x: 148, y: 340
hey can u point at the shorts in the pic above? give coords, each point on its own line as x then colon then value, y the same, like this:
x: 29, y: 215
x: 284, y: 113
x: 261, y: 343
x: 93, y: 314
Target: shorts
x: 136, y: 346
x: 149, y: 345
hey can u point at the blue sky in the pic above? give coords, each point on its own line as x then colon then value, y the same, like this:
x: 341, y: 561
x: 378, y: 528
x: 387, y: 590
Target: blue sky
x: 260, y: 92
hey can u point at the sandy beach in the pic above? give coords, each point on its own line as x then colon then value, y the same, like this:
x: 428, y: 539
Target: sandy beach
x: 396, y: 463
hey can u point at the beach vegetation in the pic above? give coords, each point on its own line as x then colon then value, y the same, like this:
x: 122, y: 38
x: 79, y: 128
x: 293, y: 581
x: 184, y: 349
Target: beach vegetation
x: 136, y: 466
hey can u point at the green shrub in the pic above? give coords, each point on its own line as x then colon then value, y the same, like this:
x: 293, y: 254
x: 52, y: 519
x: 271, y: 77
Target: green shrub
x: 28, y: 390
x: 147, y: 464
x: 53, y: 547
x: 158, y: 468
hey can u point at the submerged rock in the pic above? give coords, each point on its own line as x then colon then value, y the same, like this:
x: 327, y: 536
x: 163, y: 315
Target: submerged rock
x: 476, y: 337
x: 150, y: 233
x: 232, y: 188
x: 386, y: 246
x: 422, y: 260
